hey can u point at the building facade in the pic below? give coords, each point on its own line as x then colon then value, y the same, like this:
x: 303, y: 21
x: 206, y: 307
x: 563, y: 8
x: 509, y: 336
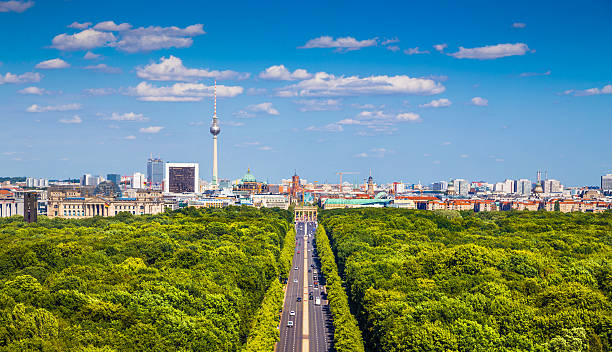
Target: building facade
x: 155, y: 172
x: 606, y: 182
x: 182, y: 178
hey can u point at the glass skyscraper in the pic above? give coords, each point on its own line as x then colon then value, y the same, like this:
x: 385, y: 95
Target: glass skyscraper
x: 155, y: 171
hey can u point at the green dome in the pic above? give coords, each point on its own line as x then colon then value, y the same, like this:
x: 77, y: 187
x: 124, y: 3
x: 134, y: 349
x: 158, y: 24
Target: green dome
x: 248, y: 177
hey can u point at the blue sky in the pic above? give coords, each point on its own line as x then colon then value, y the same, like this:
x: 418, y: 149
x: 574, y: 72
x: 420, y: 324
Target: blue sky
x: 417, y: 92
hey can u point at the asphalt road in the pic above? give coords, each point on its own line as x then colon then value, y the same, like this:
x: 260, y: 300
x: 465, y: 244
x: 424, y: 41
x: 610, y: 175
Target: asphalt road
x: 311, y: 330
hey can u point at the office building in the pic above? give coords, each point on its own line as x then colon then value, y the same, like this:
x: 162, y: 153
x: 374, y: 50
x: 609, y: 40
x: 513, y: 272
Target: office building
x: 522, y: 187
x: 89, y: 180
x: 114, y: 178
x: 462, y: 187
x: 138, y: 180
x: 30, y: 207
x: 155, y: 172
x: 606, y: 182
x: 182, y: 178
x: 32, y: 182
x: 440, y: 186
x: 552, y: 186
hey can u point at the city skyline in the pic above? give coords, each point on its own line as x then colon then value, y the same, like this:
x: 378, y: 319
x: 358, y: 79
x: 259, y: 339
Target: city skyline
x: 479, y: 91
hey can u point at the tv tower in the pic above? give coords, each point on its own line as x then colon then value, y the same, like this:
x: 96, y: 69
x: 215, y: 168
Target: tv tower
x: 215, y: 130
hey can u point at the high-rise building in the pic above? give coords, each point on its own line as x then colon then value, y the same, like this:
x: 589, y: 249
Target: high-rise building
x: 138, y: 180
x: 114, y: 178
x: 182, y: 178
x: 155, y: 172
x: 462, y: 187
x: 523, y: 187
x: 553, y: 186
x: 440, y: 186
x: 295, y: 184
x: 215, y: 130
x: 30, y: 206
x: 370, y: 189
x: 89, y: 180
x: 606, y: 182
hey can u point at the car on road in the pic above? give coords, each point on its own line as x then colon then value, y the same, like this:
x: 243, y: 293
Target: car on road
x: 309, y: 285
x: 292, y: 313
x: 296, y: 268
x: 299, y: 299
x: 295, y: 280
x: 298, y: 252
x: 289, y: 323
x: 317, y: 301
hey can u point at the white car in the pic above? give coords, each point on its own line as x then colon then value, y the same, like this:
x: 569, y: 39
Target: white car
x: 292, y: 313
x: 296, y: 268
x: 295, y: 280
x: 289, y: 323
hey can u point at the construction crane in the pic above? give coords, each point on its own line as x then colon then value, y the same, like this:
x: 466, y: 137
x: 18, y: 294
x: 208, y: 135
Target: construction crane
x: 345, y: 173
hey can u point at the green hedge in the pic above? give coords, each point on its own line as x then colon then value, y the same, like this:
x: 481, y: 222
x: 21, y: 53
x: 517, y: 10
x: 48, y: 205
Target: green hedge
x: 347, y: 336
x: 264, y: 331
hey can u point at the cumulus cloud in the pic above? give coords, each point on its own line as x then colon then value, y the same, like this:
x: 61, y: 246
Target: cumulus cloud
x: 130, y: 137
x: 440, y: 47
x: 128, y: 116
x: 374, y: 153
x: 65, y: 107
x: 99, y: 91
x: 490, y: 52
x: 91, y: 56
x: 519, y: 25
x: 255, y: 108
x: 34, y: 91
x: 128, y: 39
x: 408, y: 116
x: 394, y: 48
x: 479, y: 101
x: 377, y: 121
x: 15, y: 6
x: 103, y: 68
x: 151, y: 129
x: 318, y: 104
x: 181, y: 92
x: 74, y: 119
x: 28, y: 77
x: 438, y: 103
x: 172, y: 69
x: 341, y: 44
x: 84, y: 40
x: 52, y: 64
x: 155, y: 38
x: 415, y: 51
x: 324, y: 84
x: 77, y: 25
x: 532, y: 74
x: 607, y: 89
x: 112, y: 26
x: 281, y: 73
x: 390, y: 41
x: 330, y: 127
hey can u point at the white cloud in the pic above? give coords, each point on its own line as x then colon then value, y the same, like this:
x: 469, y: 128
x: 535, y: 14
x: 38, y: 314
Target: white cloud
x: 91, y: 56
x: 74, y: 119
x: 440, y: 47
x: 128, y: 116
x: 324, y: 84
x: 28, y: 77
x: 438, y: 103
x: 415, y: 51
x: 341, y: 44
x: 66, y: 107
x: 532, y: 74
x: 261, y: 107
x: 247, y: 144
x: 607, y: 89
x: 112, y: 26
x: 99, y: 91
x: 130, y: 137
x: 78, y: 25
x: 446, y: 143
x: 281, y: 73
x: 408, y: 116
x: 15, y: 6
x: 128, y: 39
x: 155, y: 38
x: 374, y: 153
x: 151, y: 129
x: 499, y: 160
x: 361, y: 155
x: 103, y: 68
x: 479, y: 101
x: 231, y: 123
x: 172, y: 69
x: 519, y: 25
x: 84, y: 40
x: 319, y: 104
x: 264, y: 148
x: 390, y: 41
x: 256, y: 91
x: 52, y: 64
x: 181, y: 92
x: 464, y: 156
x: 490, y: 52
x: 330, y: 127
x: 34, y: 90
x: 394, y: 48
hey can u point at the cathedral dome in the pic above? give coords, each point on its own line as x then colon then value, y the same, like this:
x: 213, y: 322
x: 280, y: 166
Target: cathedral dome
x: 248, y: 177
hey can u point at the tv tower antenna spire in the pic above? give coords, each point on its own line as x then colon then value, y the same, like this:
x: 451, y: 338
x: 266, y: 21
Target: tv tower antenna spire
x: 215, y: 130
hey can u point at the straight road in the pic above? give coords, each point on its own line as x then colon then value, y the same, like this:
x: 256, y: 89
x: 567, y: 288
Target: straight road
x: 309, y: 329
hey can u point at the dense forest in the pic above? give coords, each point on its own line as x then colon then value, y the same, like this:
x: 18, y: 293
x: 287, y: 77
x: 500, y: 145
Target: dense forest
x: 497, y: 281
x: 190, y: 280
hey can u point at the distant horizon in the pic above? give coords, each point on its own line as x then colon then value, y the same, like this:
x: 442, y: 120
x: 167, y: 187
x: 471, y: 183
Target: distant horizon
x: 437, y: 90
